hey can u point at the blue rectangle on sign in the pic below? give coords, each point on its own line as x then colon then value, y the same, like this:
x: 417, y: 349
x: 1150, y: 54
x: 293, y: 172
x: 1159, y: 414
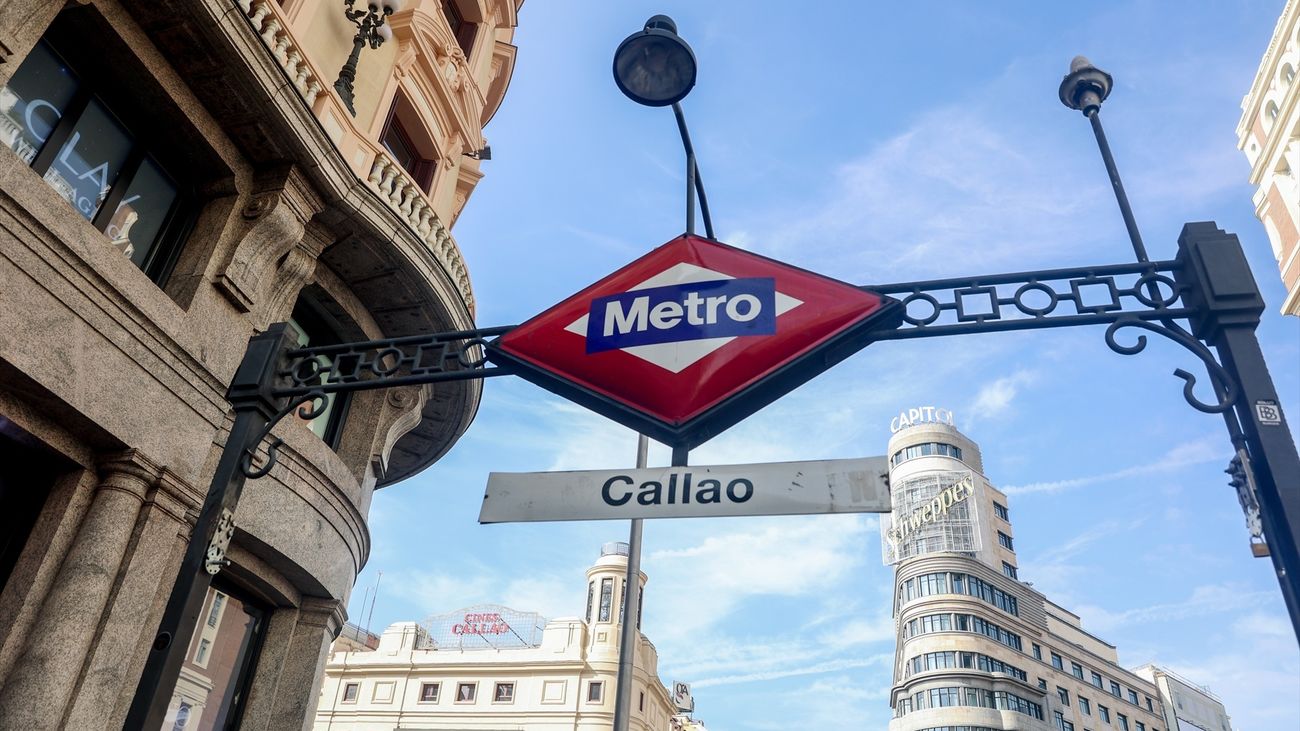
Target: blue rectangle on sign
x: 681, y: 312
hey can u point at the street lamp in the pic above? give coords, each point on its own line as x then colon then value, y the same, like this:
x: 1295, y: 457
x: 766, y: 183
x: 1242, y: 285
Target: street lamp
x: 656, y: 68
x: 372, y: 31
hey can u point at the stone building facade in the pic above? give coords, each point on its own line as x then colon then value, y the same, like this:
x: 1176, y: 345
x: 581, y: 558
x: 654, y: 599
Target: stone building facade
x: 978, y: 648
x: 176, y: 176
x: 1269, y: 135
x: 563, y: 676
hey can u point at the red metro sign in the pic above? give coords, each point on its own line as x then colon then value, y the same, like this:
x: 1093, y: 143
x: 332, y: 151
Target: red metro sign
x: 692, y: 338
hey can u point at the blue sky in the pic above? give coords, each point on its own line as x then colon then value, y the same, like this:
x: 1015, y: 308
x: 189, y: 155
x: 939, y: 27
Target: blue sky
x: 875, y: 142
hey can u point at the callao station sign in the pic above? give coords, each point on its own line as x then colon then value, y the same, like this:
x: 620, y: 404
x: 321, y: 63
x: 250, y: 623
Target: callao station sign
x: 680, y: 345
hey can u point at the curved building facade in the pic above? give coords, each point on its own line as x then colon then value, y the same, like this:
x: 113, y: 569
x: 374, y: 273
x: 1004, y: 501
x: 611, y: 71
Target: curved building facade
x: 978, y: 649
x: 174, y: 177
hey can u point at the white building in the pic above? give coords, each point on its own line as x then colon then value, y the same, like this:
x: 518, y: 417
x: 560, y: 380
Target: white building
x: 1188, y: 706
x: 492, y: 668
x: 978, y: 649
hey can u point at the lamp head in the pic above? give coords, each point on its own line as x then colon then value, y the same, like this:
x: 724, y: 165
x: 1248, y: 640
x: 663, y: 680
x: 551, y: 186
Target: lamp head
x: 655, y: 67
x: 1085, y: 87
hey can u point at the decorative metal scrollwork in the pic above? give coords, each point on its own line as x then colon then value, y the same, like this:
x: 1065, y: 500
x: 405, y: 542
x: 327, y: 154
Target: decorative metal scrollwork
x: 1226, y: 387
x: 308, y: 405
x: 1141, y: 295
x: 448, y: 356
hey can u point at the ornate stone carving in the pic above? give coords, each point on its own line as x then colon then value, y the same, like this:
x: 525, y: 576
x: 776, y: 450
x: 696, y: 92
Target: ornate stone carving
x: 278, y: 216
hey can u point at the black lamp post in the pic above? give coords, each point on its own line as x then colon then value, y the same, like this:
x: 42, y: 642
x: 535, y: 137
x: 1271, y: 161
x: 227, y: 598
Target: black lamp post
x: 371, y: 31
x: 656, y: 68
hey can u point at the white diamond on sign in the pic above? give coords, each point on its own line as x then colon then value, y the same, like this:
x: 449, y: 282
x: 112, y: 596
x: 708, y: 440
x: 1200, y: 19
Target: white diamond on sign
x: 677, y: 356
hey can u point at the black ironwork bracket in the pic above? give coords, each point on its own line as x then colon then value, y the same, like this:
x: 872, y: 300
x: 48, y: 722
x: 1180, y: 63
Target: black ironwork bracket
x: 1142, y: 295
x: 313, y: 375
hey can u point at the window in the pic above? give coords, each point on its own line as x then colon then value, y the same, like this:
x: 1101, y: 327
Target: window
x: 640, y: 702
x: 591, y: 593
x: 1008, y: 570
x: 214, y: 614
x: 466, y: 692
x: 963, y: 696
x: 1058, y: 719
x: 606, y: 597
x: 312, y: 324
x: 182, y: 716
x: 201, y: 657
x: 504, y: 693
x: 1042, y: 684
x: 1076, y: 670
x: 1004, y: 540
x: 350, y: 692
x: 1038, y: 652
x: 1123, y: 721
x: 595, y: 691
x: 1104, y: 712
x: 1150, y: 705
x: 1000, y: 510
x: 1140, y: 726
x: 1114, y: 689
x: 226, y: 655
x: 1056, y: 662
x: 931, y: 449
x: 461, y: 28
x: 1096, y: 679
x: 1064, y: 695
x: 429, y: 692
x: 67, y: 115
x: 408, y: 144
x: 1132, y: 696
x: 1084, y: 706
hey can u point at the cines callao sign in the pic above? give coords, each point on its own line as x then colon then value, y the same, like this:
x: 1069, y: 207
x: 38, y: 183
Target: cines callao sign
x: 693, y: 337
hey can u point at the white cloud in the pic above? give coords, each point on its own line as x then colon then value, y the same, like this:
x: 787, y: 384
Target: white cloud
x: 995, y: 398
x: 1200, y: 451
x: 1207, y: 599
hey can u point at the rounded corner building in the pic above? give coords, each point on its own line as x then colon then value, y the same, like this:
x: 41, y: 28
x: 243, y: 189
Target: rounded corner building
x: 978, y: 649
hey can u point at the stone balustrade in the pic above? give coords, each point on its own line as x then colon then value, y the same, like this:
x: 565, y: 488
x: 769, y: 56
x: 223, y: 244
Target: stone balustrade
x: 405, y: 197
x: 265, y: 18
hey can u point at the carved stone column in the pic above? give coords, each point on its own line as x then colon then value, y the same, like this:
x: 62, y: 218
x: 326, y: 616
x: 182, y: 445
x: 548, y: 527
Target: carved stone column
x: 42, y: 683
x: 117, y: 659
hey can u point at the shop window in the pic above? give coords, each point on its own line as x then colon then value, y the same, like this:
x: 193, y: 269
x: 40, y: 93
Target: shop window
x: 85, y: 133
x: 462, y: 29
x: 314, y: 324
x: 408, y: 144
x: 214, y: 681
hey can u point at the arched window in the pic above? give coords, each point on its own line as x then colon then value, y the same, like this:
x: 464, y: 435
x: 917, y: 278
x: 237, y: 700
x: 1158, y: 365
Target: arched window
x: 1271, y: 112
x: 1288, y: 76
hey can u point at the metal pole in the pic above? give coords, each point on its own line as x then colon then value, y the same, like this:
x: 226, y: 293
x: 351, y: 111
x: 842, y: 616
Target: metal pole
x: 631, y: 611
x: 1125, y: 210
x: 693, y: 173
x: 1218, y: 283
x: 254, y: 407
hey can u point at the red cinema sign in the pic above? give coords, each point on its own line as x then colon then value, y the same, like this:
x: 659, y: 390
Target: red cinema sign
x: 693, y: 337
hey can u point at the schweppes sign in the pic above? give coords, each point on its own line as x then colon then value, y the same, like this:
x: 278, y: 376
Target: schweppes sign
x: 930, y: 512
